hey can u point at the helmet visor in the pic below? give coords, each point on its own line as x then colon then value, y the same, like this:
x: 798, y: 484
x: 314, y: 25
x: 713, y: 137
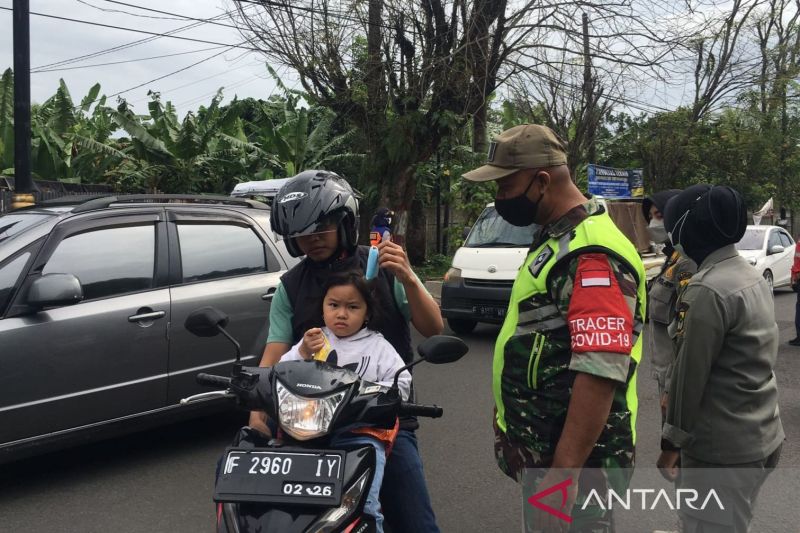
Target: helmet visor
x: 328, y: 224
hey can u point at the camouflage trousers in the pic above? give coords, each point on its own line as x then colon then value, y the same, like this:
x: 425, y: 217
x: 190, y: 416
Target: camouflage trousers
x: 528, y: 467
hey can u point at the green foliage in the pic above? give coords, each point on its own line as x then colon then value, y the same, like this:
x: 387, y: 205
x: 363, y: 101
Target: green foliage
x: 434, y: 268
x: 209, y: 150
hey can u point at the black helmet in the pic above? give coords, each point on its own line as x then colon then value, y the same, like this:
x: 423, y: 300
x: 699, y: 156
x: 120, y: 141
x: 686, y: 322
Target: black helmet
x: 312, y: 199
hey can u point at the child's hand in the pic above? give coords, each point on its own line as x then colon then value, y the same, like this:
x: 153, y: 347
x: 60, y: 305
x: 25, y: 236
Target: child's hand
x: 313, y: 341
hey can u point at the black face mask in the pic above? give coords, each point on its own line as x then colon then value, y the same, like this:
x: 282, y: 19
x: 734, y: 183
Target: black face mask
x: 519, y: 210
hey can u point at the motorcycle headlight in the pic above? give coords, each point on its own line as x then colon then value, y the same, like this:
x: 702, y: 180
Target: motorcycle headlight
x: 306, y: 418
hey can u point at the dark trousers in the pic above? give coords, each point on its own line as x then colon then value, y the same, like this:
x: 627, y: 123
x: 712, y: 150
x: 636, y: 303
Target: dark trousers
x: 737, y: 487
x: 404, y: 496
x: 797, y: 316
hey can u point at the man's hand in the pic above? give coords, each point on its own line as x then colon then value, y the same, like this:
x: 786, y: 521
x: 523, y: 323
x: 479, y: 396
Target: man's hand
x: 561, y: 500
x: 393, y: 258
x: 668, y: 464
x: 664, y: 404
x: 313, y: 341
x: 258, y: 421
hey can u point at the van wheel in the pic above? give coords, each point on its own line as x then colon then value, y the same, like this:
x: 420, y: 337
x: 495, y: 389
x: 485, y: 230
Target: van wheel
x: 462, y: 326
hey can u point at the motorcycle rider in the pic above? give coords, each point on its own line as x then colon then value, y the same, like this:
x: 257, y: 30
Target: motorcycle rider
x: 348, y: 340
x: 317, y: 214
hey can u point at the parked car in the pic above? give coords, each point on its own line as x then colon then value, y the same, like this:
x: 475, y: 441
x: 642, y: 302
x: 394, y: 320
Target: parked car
x: 478, y: 285
x: 770, y: 249
x: 93, y: 298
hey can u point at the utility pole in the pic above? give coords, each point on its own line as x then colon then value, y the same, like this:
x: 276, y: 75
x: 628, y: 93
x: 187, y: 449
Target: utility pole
x: 438, y: 194
x: 588, y: 90
x: 23, y: 182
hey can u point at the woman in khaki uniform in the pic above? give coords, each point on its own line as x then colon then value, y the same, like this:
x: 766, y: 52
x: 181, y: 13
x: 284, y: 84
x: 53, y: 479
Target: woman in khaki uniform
x: 723, y: 410
x: 662, y: 290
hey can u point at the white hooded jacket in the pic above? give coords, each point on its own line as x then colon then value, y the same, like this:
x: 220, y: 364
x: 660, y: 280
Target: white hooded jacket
x: 368, y: 354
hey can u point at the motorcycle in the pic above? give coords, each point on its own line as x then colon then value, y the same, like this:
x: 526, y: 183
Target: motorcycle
x: 298, y: 482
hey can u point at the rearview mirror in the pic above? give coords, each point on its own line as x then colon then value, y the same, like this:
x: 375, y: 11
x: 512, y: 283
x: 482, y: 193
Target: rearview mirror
x: 442, y: 349
x: 55, y: 290
x: 777, y: 249
x: 206, y: 321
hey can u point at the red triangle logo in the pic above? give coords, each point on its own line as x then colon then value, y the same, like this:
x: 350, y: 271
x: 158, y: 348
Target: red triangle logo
x: 558, y: 487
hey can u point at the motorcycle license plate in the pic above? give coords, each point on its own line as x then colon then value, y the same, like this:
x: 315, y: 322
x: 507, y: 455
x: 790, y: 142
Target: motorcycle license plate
x: 307, y: 477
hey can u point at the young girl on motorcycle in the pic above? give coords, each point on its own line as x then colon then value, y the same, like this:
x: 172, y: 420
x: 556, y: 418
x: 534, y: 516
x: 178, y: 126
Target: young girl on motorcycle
x: 348, y: 307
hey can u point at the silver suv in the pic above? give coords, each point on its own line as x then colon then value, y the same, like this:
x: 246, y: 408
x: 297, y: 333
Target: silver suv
x: 93, y: 298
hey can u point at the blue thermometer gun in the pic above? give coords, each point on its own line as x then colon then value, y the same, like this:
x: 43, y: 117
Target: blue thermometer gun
x: 372, y: 264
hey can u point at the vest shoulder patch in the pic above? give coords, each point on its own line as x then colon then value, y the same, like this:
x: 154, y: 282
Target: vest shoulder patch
x: 536, y: 266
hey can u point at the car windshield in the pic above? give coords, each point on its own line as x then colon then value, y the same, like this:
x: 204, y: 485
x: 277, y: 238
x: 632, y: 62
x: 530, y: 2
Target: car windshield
x: 13, y: 224
x: 753, y: 239
x: 492, y: 231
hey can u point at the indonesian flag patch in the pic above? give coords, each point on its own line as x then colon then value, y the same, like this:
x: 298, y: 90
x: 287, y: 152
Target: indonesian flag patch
x: 596, y: 279
x: 599, y: 317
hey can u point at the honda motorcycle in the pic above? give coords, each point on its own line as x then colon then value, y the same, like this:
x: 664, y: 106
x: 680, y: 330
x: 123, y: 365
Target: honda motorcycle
x: 298, y: 482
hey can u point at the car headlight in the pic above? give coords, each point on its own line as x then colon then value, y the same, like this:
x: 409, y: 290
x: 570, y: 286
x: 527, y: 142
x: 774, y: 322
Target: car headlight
x: 453, y: 275
x: 306, y: 418
x: 333, y: 519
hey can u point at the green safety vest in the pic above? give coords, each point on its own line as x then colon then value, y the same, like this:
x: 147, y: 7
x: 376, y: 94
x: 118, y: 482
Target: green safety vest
x: 531, y: 377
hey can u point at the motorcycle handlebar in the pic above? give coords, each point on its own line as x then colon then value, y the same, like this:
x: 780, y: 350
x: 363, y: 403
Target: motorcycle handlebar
x: 211, y: 380
x: 413, y: 409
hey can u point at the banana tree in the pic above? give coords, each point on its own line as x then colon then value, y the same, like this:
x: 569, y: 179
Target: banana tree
x: 206, y: 151
x: 67, y: 143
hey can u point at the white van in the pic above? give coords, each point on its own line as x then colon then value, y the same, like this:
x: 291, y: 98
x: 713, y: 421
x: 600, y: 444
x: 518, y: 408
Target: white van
x: 477, y: 287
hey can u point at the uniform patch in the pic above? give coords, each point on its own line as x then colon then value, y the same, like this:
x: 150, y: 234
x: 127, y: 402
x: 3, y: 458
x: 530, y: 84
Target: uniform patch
x: 680, y: 317
x: 597, y: 278
x: 536, y: 266
x: 684, y: 278
x: 599, y: 318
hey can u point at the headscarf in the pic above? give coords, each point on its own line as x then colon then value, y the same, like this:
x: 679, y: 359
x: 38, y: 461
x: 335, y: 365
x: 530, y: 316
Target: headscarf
x: 704, y: 218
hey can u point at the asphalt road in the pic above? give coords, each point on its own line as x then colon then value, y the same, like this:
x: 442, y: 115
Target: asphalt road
x: 162, y: 480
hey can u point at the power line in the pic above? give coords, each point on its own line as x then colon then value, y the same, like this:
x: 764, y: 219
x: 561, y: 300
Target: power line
x: 113, y: 49
x: 104, y: 10
x: 193, y: 82
x: 176, y: 15
x: 137, y: 31
x: 171, y: 73
x: 126, y: 60
x: 289, y: 9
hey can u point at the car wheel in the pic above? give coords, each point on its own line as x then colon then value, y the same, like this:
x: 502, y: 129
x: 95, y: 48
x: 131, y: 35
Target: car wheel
x: 770, y: 280
x: 462, y: 326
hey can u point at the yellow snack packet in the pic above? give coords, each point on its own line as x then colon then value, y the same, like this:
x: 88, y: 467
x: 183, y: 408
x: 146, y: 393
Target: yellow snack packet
x: 322, y: 354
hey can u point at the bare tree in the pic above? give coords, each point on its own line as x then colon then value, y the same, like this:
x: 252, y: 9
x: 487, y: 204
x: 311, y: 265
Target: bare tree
x: 408, y: 73
x: 723, y: 63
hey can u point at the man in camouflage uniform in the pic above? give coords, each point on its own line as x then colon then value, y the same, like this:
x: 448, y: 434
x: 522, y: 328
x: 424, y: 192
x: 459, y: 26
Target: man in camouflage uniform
x: 564, y: 376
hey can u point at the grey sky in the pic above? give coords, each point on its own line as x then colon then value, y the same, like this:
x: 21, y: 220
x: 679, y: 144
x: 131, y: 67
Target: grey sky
x: 240, y: 72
